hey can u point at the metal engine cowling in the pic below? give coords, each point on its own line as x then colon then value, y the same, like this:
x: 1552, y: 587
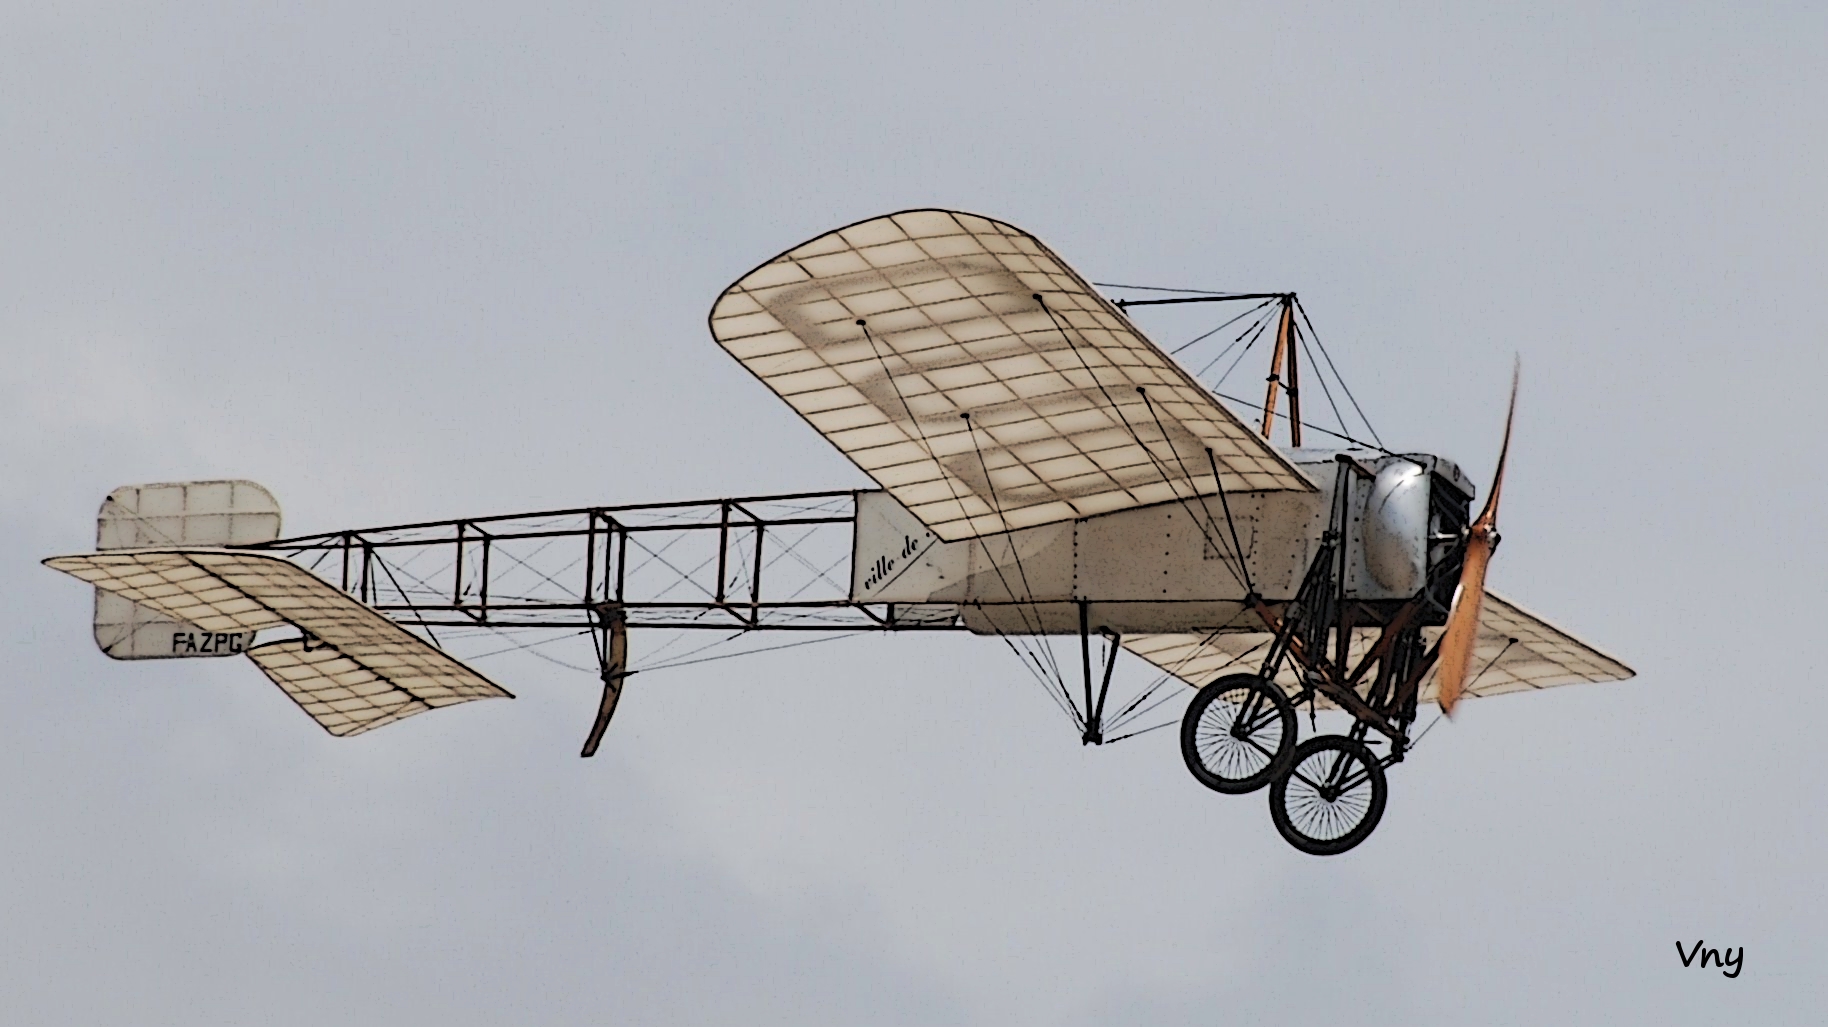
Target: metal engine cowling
x: 1395, y: 527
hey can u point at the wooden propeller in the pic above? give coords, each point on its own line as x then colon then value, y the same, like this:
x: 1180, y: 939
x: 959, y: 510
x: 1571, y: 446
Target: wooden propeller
x: 1482, y: 538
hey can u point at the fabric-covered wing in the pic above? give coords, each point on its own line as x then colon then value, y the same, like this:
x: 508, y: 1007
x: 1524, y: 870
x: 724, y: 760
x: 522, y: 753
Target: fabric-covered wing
x: 360, y: 671
x: 1543, y: 656
x: 979, y: 379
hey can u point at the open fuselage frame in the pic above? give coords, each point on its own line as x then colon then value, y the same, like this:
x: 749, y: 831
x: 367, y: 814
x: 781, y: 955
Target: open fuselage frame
x: 800, y: 562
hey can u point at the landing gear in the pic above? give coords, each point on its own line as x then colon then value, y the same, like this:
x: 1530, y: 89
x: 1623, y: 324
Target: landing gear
x: 1335, y: 649
x: 1237, y: 734
x: 1331, y: 797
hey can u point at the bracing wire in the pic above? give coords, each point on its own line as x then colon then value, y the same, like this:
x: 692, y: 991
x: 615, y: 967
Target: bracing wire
x: 1218, y: 546
x: 1159, y: 288
x: 1308, y: 424
x: 1015, y: 553
x: 1228, y: 322
x: 746, y: 652
x: 1341, y: 378
x: 519, y: 647
x: 959, y: 501
x: 530, y: 647
x: 1127, y: 716
x: 1143, y: 731
x: 1254, y: 328
x: 1257, y: 333
x: 1439, y: 716
x: 1301, y: 340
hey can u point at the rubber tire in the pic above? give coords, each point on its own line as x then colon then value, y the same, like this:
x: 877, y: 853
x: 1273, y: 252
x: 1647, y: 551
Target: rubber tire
x: 1190, y: 722
x: 1380, y: 793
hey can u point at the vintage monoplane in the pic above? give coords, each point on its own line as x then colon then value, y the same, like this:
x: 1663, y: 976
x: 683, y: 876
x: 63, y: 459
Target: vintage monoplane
x: 1044, y: 470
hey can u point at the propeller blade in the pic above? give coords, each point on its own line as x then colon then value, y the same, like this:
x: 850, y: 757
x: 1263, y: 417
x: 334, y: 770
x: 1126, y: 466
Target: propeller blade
x: 1462, y: 632
x: 1488, y: 516
x: 1463, y: 623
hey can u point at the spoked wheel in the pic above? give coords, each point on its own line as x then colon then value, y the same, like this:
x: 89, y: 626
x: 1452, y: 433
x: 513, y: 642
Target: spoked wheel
x: 1332, y: 796
x: 1237, y: 734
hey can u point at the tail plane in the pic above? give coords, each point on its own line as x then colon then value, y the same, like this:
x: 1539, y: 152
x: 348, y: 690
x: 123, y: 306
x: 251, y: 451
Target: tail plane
x: 174, y: 579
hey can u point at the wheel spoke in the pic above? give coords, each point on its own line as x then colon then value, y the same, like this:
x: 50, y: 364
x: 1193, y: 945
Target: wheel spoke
x: 1234, y: 732
x: 1332, y: 796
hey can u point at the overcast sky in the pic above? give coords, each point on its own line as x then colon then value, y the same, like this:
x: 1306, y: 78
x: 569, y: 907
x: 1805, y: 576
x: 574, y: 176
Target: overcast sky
x: 411, y: 262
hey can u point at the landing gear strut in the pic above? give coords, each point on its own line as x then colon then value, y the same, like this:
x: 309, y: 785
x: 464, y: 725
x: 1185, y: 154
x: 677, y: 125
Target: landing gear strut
x: 1326, y: 794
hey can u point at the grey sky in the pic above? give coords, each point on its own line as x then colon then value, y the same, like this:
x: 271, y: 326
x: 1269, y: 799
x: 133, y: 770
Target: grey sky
x: 431, y: 260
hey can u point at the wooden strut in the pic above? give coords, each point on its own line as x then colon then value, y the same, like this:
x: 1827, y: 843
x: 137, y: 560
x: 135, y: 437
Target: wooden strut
x: 1325, y: 681
x: 1284, y: 358
x: 615, y: 669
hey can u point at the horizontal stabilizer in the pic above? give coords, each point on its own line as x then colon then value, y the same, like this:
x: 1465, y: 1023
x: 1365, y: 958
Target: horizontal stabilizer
x: 367, y: 685
x: 353, y: 671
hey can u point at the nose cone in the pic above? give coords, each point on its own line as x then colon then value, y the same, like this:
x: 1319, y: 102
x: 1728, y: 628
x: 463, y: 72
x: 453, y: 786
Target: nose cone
x: 1396, y: 527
